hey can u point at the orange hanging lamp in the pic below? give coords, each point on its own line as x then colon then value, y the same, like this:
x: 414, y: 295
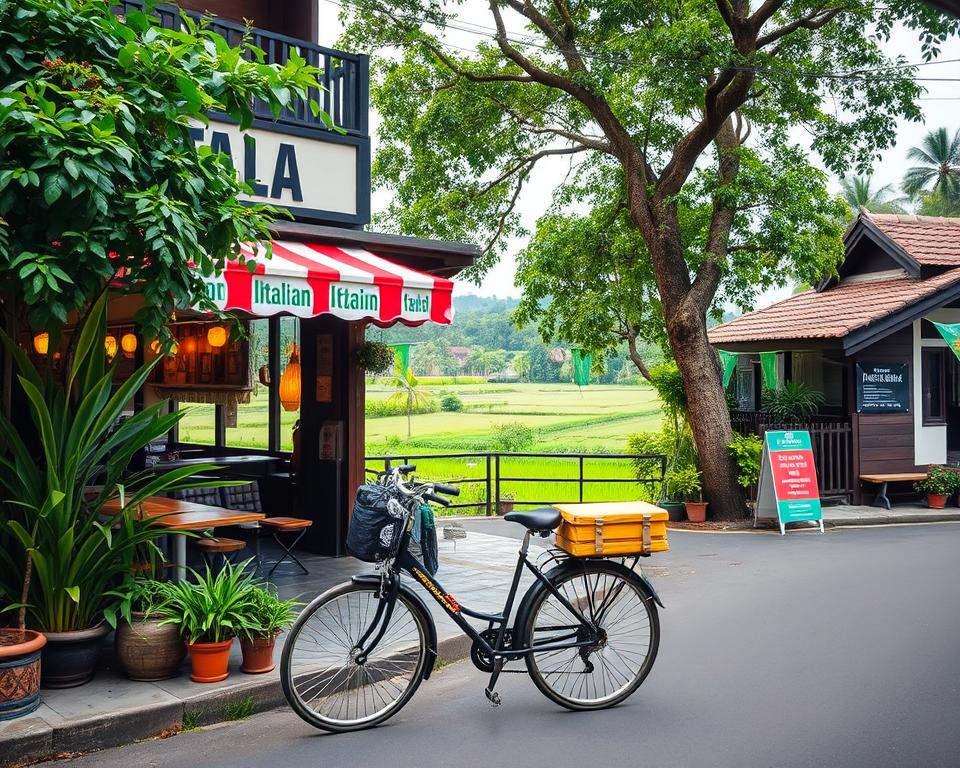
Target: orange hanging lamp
x: 217, y: 336
x: 290, y: 382
x: 41, y: 343
x: 128, y: 343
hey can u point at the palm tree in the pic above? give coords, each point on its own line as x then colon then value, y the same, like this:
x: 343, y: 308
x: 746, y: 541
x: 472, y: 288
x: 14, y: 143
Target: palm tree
x: 858, y: 193
x: 410, y: 396
x: 939, y: 169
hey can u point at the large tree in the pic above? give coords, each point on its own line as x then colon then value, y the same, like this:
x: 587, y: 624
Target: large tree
x: 691, y: 105
x: 100, y: 182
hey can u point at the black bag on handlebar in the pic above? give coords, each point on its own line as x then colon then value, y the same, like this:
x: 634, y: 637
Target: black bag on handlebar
x: 374, y: 534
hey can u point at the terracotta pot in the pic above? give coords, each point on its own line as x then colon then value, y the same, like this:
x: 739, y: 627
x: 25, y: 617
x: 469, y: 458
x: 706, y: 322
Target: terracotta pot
x: 210, y: 661
x: 19, y: 672
x: 70, y: 658
x: 149, y: 650
x: 258, y: 654
x: 936, y: 500
x: 696, y: 511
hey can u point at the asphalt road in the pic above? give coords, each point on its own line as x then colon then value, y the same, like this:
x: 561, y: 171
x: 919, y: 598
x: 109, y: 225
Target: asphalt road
x: 833, y: 650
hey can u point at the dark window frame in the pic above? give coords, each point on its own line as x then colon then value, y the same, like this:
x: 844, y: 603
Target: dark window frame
x: 939, y: 419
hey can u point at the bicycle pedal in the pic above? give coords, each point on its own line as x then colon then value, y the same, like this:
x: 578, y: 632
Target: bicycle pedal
x: 493, y: 697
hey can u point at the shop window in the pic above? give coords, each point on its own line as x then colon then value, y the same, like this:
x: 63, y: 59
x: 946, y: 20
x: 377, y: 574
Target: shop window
x: 198, y: 424
x: 933, y: 390
x: 252, y: 428
x: 289, y: 338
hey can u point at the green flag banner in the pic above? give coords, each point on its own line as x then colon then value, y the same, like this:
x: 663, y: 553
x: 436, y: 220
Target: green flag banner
x: 768, y: 364
x: 582, y: 362
x: 728, y: 361
x: 951, y: 335
x: 401, y: 354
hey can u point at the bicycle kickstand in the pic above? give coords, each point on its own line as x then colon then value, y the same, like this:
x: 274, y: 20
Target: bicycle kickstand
x: 492, y: 696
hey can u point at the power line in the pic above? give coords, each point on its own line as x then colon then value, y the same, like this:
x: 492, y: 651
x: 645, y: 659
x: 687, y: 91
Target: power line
x: 453, y: 22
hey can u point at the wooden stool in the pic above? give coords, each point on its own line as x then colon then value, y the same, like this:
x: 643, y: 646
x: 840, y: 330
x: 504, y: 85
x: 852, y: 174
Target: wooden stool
x: 294, y: 526
x: 215, y: 545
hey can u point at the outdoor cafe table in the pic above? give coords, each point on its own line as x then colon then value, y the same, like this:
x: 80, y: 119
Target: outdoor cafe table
x: 226, y: 462
x: 186, y: 516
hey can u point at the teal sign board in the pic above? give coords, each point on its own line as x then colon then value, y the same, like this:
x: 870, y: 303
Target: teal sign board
x: 788, y: 487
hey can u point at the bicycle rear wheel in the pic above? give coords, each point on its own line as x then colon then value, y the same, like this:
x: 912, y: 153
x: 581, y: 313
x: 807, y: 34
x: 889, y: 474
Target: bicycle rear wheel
x: 625, y: 618
x: 321, y: 677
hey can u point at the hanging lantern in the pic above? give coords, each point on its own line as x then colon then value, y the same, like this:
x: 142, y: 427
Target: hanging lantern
x: 110, y: 346
x: 217, y: 336
x: 155, y: 346
x: 41, y: 342
x: 290, y: 382
x: 128, y: 343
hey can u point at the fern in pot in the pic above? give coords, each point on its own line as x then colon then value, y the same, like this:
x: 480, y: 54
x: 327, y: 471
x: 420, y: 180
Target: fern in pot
x: 147, y: 647
x: 268, y: 616
x: 210, y: 613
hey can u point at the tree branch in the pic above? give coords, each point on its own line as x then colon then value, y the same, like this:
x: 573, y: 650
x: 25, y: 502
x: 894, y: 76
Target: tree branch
x: 473, y: 76
x: 636, y: 358
x: 813, y: 20
x: 528, y: 162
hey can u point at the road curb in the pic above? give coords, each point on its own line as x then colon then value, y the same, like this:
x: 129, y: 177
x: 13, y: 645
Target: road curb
x: 34, y: 740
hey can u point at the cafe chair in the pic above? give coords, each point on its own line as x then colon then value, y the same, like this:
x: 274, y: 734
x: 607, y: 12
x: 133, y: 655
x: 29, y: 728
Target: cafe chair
x: 293, y: 528
x: 246, y: 498
x: 228, y: 549
x: 211, y: 496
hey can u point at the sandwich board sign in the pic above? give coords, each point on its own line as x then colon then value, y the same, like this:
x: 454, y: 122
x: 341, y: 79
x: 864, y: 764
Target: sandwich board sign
x: 788, y: 489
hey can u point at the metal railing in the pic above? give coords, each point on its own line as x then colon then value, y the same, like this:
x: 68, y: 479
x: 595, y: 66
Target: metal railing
x: 485, y: 490
x: 346, y: 76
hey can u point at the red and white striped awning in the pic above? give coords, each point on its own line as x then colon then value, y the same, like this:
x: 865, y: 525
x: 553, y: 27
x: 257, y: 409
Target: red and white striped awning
x: 308, y: 279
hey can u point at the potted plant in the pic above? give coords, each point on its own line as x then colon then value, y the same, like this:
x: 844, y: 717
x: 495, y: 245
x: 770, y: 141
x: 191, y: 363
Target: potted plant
x: 505, y: 503
x: 19, y: 669
x: 148, y: 649
x: 268, y: 616
x: 685, y: 483
x: 64, y: 550
x: 375, y: 357
x: 940, y: 484
x: 210, y: 612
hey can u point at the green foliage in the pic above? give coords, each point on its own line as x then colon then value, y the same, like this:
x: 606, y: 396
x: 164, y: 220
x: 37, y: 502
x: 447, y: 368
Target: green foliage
x: 146, y: 596
x: 511, y: 437
x: 375, y: 357
x: 684, y: 484
x: 794, y: 401
x: 215, y: 607
x: 666, y: 380
x: 746, y: 452
x: 78, y: 550
x: 858, y: 192
x: 240, y: 709
x: 191, y: 720
x: 267, y: 614
x: 450, y: 402
x: 395, y: 406
x: 940, y: 480
x: 678, y: 447
x: 97, y: 166
x: 938, y: 169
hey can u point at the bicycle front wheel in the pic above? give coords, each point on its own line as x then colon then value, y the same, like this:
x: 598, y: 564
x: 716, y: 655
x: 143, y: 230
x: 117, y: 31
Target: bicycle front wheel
x: 625, y: 626
x: 321, y: 676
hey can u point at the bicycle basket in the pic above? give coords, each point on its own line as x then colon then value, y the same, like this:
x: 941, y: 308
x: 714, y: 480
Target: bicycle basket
x: 376, y: 525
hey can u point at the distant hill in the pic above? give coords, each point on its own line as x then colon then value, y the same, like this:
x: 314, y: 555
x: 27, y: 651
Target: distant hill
x: 465, y: 305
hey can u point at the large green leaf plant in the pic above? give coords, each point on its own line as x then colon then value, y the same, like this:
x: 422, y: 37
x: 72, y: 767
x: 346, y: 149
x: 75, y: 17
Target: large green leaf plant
x: 64, y: 550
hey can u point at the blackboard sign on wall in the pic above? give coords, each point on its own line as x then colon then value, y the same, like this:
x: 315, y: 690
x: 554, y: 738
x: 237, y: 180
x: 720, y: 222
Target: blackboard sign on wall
x: 883, y: 388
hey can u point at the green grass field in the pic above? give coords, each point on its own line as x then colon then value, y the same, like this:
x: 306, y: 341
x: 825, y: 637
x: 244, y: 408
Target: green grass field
x: 564, y: 418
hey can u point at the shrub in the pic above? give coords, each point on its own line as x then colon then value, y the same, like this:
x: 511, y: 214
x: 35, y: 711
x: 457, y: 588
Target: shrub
x: 451, y: 402
x: 378, y: 409
x: 794, y: 401
x: 511, y: 437
x: 746, y: 451
x: 940, y: 480
x: 684, y: 484
x: 678, y: 447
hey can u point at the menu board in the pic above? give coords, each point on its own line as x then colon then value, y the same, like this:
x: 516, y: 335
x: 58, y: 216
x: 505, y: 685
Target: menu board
x: 883, y: 388
x: 788, y: 488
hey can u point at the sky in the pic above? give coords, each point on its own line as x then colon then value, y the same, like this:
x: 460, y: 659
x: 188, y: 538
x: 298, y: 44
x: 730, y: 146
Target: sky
x: 940, y: 105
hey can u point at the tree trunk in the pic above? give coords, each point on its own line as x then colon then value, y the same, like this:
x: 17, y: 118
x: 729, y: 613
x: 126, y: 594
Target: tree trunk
x: 708, y: 416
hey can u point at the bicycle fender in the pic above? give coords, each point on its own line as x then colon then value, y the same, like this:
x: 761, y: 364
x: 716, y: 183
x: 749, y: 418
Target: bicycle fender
x: 374, y: 580
x: 526, y: 604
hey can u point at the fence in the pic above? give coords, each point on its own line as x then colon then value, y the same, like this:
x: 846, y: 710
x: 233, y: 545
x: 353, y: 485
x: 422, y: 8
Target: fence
x: 832, y: 440
x: 487, y: 480
x: 345, y: 79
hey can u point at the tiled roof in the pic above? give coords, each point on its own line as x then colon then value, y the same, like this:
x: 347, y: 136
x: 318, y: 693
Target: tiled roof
x: 931, y: 240
x: 835, y: 312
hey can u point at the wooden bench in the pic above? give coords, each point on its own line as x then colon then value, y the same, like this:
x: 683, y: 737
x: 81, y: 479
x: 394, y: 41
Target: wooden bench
x: 881, y: 499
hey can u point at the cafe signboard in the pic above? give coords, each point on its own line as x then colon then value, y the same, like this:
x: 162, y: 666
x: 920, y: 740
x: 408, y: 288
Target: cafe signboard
x: 883, y: 388
x: 788, y: 491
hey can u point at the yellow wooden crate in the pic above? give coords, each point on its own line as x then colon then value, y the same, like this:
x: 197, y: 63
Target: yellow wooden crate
x: 612, y: 528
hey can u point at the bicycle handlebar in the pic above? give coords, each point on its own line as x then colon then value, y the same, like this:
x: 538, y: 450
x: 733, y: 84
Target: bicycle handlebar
x: 438, y: 499
x: 449, y: 490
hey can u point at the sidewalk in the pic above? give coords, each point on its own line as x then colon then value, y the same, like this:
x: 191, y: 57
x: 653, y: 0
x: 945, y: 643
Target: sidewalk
x: 112, y: 710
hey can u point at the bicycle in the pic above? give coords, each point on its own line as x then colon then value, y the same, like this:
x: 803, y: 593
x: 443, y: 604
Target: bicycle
x: 587, y: 629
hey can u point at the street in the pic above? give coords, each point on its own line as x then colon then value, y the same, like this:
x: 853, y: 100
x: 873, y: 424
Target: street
x: 810, y: 650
